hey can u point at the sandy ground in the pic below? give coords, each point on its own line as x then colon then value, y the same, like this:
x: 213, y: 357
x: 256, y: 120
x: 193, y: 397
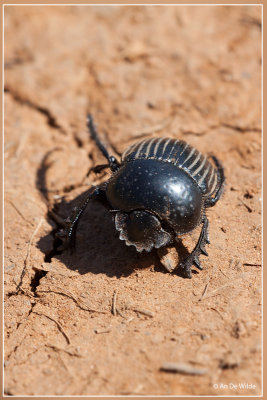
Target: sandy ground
x: 104, y: 319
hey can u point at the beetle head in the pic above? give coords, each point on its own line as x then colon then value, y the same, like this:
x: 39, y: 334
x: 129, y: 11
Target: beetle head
x: 142, y: 230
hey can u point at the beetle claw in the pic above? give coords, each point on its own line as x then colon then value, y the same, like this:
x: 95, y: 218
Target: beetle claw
x: 186, y: 266
x: 188, y: 272
x: 203, y: 250
x: 196, y: 262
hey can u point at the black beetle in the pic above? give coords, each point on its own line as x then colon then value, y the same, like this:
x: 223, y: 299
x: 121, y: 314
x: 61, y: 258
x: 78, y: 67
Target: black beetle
x: 158, y: 192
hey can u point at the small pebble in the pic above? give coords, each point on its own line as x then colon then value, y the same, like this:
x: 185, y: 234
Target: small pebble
x: 169, y: 257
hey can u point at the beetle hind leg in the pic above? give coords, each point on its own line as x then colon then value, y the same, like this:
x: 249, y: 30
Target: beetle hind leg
x: 193, y: 258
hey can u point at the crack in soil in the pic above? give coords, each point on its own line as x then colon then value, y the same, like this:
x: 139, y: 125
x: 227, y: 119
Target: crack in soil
x: 89, y: 309
x: 59, y: 326
x: 51, y: 119
x: 240, y: 128
x: 23, y: 337
x: 19, y: 289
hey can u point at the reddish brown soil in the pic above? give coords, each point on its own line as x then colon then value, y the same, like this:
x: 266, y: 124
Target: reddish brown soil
x: 186, y: 72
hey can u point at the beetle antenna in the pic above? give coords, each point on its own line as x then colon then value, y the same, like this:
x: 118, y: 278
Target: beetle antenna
x: 113, y: 163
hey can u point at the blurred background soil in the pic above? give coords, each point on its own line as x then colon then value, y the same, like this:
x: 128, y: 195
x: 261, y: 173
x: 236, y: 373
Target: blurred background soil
x: 103, y: 320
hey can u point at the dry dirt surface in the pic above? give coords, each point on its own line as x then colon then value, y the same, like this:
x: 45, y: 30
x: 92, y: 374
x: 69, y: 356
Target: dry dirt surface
x: 105, y: 319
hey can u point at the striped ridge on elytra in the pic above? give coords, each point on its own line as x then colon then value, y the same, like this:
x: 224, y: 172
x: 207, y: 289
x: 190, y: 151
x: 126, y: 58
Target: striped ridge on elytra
x: 157, y: 148
x: 142, y: 148
x: 155, y: 152
x: 214, y: 183
x: 179, y: 153
x: 172, y: 155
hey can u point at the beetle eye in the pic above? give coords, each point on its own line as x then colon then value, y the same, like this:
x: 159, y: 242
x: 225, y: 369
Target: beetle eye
x: 142, y: 230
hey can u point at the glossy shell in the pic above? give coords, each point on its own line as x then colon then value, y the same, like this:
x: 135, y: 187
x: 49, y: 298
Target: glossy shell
x: 159, y: 187
x: 166, y: 177
x: 180, y: 154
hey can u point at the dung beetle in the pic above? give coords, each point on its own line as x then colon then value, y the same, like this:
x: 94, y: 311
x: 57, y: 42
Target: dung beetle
x: 159, y: 191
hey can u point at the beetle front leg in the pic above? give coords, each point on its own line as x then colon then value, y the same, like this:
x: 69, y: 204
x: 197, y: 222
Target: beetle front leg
x: 65, y: 237
x: 193, y: 258
x: 113, y: 164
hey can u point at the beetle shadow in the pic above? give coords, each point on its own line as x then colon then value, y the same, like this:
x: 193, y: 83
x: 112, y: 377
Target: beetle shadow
x: 98, y: 248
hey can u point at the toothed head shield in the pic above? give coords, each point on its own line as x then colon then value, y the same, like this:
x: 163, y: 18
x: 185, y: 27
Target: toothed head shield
x: 142, y: 230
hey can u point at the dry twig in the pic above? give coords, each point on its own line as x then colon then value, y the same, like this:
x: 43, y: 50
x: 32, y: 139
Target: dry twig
x: 205, y: 290
x: 251, y: 265
x: 19, y: 212
x: 182, y: 368
x: 105, y: 330
x: 218, y: 312
x: 145, y: 312
x: 244, y: 204
x: 114, y: 309
x: 58, y: 349
x: 215, y: 291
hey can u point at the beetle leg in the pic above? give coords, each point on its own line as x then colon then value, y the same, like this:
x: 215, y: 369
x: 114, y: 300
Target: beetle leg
x: 112, y: 162
x: 210, y: 202
x: 65, y: 237
x: 193, y: 258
